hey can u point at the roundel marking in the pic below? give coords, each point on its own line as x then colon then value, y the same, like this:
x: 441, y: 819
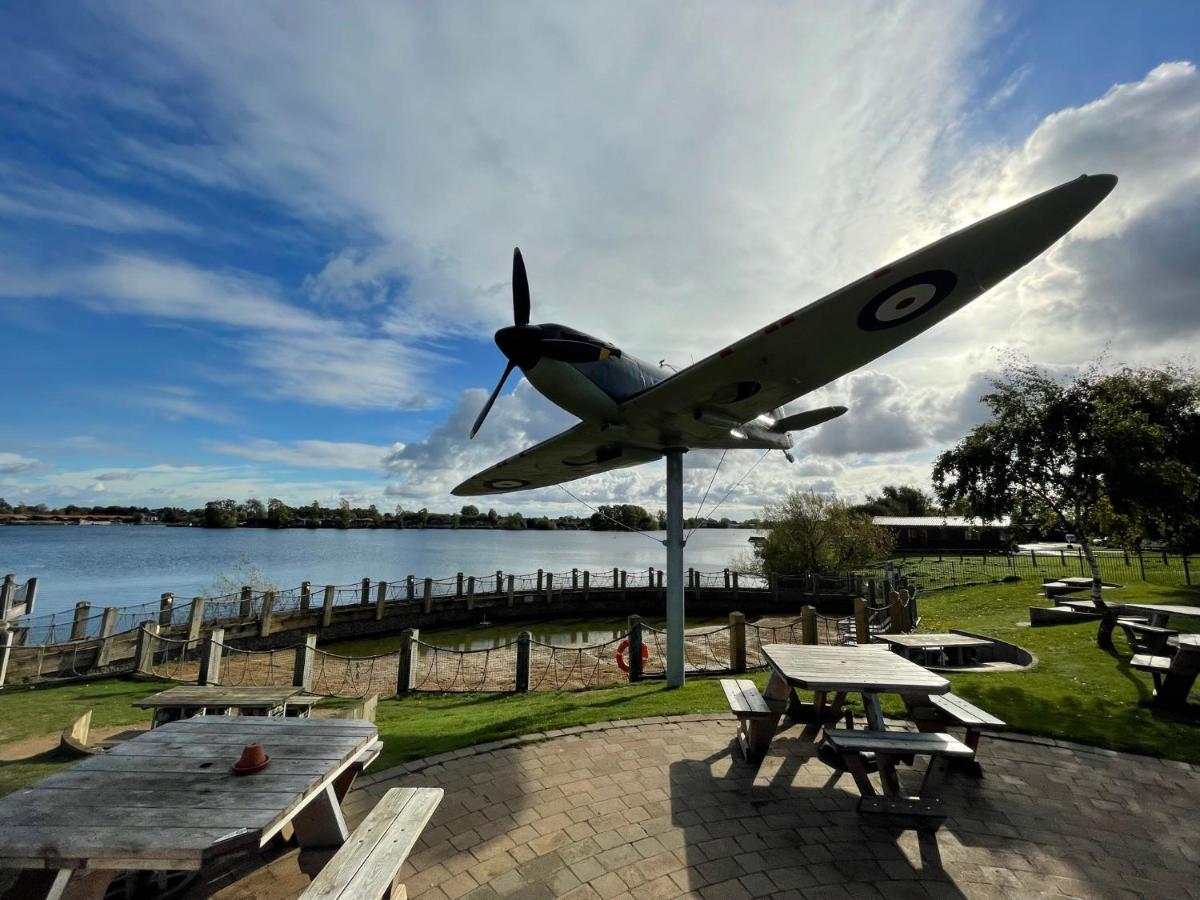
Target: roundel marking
x: 906, y: 300
x: 505, y: 484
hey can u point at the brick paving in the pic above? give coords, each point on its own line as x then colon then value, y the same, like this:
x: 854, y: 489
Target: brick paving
x: 662, y: 808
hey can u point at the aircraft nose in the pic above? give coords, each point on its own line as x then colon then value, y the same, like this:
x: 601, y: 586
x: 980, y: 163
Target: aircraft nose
x: 520, y: 343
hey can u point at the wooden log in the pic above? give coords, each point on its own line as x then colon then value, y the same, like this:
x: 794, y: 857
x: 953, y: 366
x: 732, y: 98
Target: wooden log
x: 523, y: 639
x: 83, y: 610
x: 406, y: 677
x: 264, y: 615
x: 108, y: 624
x: 305, y: 595
x: 380, y: 600
x: 327, y: 605
x: 195, y: 621
x: 808, y: 625
x: 144, y: 655
x: 862, y: 621
x: 210, y: 659
x: 165, y: 604
x: 302, y: 668
x: 737, y: 641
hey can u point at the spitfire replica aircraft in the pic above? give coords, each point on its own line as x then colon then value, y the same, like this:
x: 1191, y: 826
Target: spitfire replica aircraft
x: 634, y: 412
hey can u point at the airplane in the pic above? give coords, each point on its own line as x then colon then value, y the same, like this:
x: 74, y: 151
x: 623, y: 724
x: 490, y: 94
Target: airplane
x: 633, y: 412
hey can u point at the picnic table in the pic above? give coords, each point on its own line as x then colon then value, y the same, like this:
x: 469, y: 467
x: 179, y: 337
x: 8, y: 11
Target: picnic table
x: 169, y: 800
x: 1174, y: 676
x: 190, y: 700
x: 1156, y: 613
x: 951, y: 647
x: 864, y: 669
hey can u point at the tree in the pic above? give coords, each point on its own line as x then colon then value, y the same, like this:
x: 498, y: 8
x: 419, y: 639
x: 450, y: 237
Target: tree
x: 470, y: 512
x: 279, y: 514
x: 810, y: 532
x: 220, y: 514
x: 254, y: 509
x: 898, y: 500
x: 492, y: 517
x: 344, y: 514
x: 1095, y: 453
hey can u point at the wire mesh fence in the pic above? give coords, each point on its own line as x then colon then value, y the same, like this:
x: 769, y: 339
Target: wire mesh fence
x: 257, y: 668
x: 445, y: 670
x: 335, y: 675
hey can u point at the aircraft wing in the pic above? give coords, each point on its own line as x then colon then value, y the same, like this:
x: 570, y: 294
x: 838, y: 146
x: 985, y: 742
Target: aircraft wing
x: 840, y: 332
x: 575, y: 453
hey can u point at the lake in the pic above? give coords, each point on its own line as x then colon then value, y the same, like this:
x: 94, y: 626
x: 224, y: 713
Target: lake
x: 125, y: 565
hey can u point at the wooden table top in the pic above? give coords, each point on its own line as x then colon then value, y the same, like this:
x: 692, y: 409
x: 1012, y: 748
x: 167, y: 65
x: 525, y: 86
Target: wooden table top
x: 1192, y: 612
x: 934, y: 641
x: 1187, y: 642
x: 193, y: 695
x: 821, y: 668
x: 168, y: 799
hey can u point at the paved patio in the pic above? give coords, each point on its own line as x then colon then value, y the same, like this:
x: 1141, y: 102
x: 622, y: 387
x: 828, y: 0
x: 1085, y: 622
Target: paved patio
x: 663, y: 808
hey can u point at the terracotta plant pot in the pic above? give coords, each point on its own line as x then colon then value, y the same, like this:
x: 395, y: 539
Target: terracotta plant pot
x: 253, y: 759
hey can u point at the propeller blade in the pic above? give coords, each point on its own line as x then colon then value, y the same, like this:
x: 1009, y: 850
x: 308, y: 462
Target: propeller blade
x: 520, y: 286
x: 571, y: 351
x: 487, y: 407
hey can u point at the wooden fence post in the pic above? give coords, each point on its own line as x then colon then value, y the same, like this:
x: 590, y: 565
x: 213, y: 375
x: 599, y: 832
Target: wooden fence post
x: 458, y: 585
x: 624, y: 596
x: 737, y: 642
x: 727, y: 579
x: 1141, y: 563
x: 210, y: 659
x: 108, y: 624
x: 427, y: 600
x: 327, y: 605
x: 734, y: 577
x: 7, y: 591
x: 410, y: 588
x: 499, y: 582
x: 895, y: 613
x: 246, y: 602
x: 511, y: 589
x: 165, y: 604
x: 380, y: 600
x: 408, y: 660
x: 144, y: 655
x: 634, y: 650
x: 195, y: 621
x: 574, y: 579
x: 862, y: 621
x: 539, y: 581
x: 549, y: 588
x: 906, y: 605
x: 616, y: 580
x: 808, y: 625
x: 264, y: 616
x: 79, y: 622
x: 365, y: 597
x: 31, y: 588
x: 6, y: 642
x: 587, y: 582
x: 305, y: 595
x: 471, y: 592
x: 302, y: 669
x: 522, y: 684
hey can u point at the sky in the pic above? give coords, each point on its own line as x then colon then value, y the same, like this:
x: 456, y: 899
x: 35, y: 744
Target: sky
x: 260, y: 250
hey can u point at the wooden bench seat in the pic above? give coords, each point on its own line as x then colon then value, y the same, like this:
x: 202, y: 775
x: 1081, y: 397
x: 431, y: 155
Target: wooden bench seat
x: 368, y: 864
x: 887, y: 746
x: 1145, y: 638
x: 1157, y: 666
x: 756, y: 720
x: 954, y: 710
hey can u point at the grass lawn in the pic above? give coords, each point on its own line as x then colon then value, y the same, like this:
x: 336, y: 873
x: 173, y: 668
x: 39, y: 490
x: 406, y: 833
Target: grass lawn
x: 1076, y: 692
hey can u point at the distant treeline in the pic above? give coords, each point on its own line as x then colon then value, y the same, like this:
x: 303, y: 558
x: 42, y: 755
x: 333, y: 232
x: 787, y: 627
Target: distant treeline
x: 253, y: 513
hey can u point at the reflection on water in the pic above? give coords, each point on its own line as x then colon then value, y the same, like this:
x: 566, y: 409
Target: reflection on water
x: 559, y: 632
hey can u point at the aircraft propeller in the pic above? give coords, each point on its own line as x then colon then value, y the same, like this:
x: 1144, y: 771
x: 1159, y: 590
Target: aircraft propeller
x: 525, y: 344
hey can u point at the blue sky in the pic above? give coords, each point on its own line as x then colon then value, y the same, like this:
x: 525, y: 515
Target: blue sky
x: 262, y: 251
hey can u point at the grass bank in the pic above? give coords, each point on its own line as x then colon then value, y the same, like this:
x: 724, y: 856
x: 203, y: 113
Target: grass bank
x: 1076, y: 692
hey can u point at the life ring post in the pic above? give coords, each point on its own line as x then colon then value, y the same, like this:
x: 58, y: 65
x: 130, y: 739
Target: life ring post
x: 637, y: 649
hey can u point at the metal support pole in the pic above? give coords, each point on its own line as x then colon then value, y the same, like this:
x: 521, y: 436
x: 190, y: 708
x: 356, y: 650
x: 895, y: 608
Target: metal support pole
x: 674, y: 568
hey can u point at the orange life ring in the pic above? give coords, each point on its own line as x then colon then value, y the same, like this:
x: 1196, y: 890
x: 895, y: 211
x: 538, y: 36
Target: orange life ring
x: 621, y: 648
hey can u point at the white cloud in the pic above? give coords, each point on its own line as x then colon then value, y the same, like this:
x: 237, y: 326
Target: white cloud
x: 311, y: 453
x: 13, y: 463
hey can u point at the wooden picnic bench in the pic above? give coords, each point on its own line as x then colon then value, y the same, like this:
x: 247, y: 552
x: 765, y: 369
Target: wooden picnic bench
x: 368, y: 864
x: 188, y: 700
x: 1144, y: 637
x: 937, y: 712
x: 756, y: 720
x: 888, y: 747
x: 1173, y: 675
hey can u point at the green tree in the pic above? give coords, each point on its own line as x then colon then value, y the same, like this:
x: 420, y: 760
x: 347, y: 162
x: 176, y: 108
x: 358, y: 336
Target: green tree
x: 345, y: 516
x: 492, y: 517
x: 1099, y: 452
x: 470, y: 512
x: 279, y: 514
x: 810, y: 532
x: 220, y: 514
x: 254, y: 509
x: 898, y: 500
